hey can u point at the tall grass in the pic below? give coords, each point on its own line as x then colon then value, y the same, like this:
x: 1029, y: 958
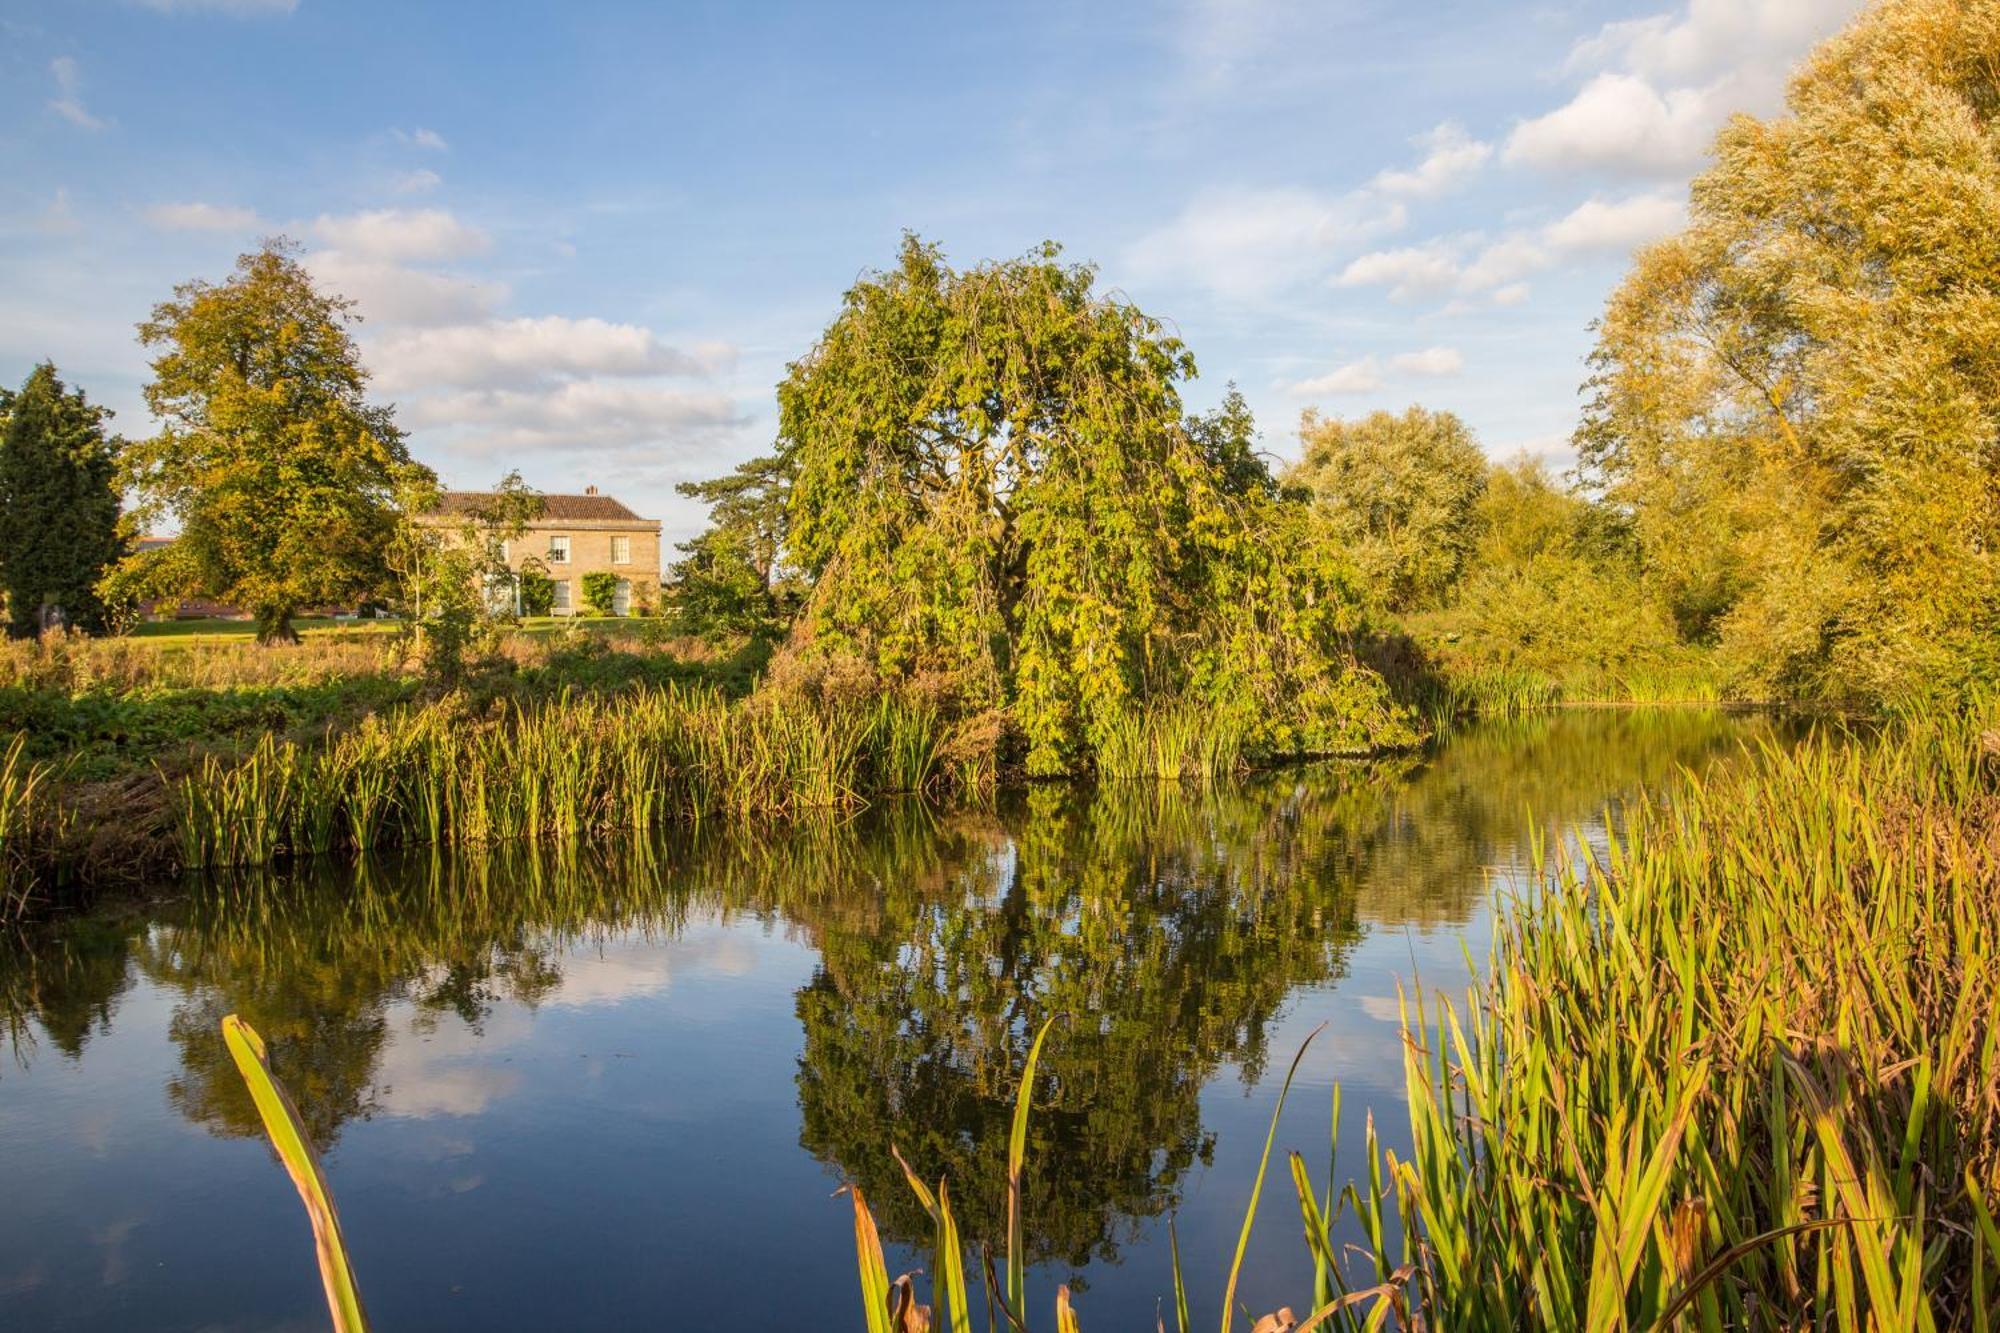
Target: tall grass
x: 31, y: 827
x: 561, y: 768
x: 1743, y: 1067
x: 1171, y: 740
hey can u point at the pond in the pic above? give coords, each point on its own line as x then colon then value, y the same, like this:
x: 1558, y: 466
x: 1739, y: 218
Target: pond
x: 616, y: 1086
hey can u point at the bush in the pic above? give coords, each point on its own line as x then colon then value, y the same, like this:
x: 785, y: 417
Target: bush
x: 538, y: 593
x: 600, y: 592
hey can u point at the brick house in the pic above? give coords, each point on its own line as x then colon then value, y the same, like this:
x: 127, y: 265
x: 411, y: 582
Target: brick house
x: 578, y: 535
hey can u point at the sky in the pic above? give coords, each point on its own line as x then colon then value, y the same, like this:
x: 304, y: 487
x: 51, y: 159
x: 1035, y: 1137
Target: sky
x: 586, y: 238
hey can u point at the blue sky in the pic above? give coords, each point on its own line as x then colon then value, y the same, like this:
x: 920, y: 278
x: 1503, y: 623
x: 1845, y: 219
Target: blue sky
x: 587, y: 237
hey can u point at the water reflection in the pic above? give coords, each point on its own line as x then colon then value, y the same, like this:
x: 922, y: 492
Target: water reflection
x: 1170, y: 927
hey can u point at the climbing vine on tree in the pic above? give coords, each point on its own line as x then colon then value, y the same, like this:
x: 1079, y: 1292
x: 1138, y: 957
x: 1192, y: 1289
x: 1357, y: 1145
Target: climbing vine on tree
x: 992, y: 486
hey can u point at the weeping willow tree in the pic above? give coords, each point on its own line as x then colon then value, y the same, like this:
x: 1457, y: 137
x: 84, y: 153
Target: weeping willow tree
x: 993, y: 487
x: 1798, y: 399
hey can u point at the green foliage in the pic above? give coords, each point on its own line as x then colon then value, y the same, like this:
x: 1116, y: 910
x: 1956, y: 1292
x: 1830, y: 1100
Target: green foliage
x: 537, y: 589
x: 1401, y: 493
x: 58, y: 505
x: 278, y: 472
x: 729, y: 580
x: 454, y: 580
x: 1671, y: 1093
x: 993, y: 489
x: 600, y: 591
x: 1795, y: 399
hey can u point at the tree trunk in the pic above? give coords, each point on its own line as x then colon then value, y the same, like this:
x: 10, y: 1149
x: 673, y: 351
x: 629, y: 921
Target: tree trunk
x: 274, y: 625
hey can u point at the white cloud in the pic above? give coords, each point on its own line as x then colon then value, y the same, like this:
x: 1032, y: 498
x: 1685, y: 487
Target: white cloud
x: 1245, y: 243
x: 517, y: 351
x: 68, y: 103
x: 1409, y: 272
x: 1619, y: 225
x: 1714, y: 37
x: 1451, y: 157
x: 418, y: 182
x: 400, y: 234
x: 1369, y: 373
x: 1513, y: 294
x: 201, y: 217
x: 1619, y: 122
x: 1504, y: 262
x: 571, y: 415
x: 422, y: 138
x: 1363, y: 376
x: 242, y: 8
x: 1667, y: 82
x: 1432, y: 362
x: 391, y: 293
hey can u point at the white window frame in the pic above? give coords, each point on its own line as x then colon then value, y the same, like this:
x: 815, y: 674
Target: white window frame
x: 621, y: 550
x: 559, y: 548
x: 560, y: 604
x: 621, y: 598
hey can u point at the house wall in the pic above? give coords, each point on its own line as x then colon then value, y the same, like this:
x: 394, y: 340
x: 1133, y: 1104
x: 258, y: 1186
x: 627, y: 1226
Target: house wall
x: 590, y: 551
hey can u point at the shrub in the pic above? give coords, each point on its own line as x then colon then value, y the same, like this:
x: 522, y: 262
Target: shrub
x: 600, y: 592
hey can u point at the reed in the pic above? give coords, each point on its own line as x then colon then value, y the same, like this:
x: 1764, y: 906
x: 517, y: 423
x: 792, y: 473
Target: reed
x: 32, y: 826
x: 1738, y: 1068
x: 1172, y: 740
x: 563, y: 768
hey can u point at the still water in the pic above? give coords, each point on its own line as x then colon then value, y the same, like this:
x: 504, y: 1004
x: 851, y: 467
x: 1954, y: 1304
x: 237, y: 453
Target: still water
x: 616, y: 1087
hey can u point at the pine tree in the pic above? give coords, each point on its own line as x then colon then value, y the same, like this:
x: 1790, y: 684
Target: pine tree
x: 59, y: 506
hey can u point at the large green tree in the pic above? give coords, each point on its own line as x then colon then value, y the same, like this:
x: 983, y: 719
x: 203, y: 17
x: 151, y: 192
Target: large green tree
x: 1402, y: 492
x: 1797, y: 400
x: 277, y: 470
x: 994, y: 486
x: 729, y: 578
x: 58, y: 505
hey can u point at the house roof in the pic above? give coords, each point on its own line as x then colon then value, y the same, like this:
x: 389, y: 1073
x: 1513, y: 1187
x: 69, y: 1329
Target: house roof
x: 555, y: 508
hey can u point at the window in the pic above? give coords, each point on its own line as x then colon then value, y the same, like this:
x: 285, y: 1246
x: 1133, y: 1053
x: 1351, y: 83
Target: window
x: 506, y: 552
x: 559, y: 550
x: 621, y: 550
x: 560, y: 603
x: 621, y: 597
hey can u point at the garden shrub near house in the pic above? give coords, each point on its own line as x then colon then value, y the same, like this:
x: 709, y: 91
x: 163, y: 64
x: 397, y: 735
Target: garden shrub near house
x: 600, y: 592
x: 538, y: 592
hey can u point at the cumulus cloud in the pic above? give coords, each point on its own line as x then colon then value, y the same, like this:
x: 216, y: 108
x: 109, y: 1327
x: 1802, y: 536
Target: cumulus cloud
x: 1496, y: 269
x: 400, y: 234
x: 1245, y: 243
x: 68, y: 101
x: 1620, y: 225
x: 201, y: 217
x: 592, y: 414
x: 1409, y: 272
x: 1662, y: 85
x: 418, y: 182
x: 513, y: 351
x: 1431, y: 362
x: 1370, y: 373
x: 1363, y: 376
x: 1451, y: 157
x: 394, y: 294
x: 421, y: 138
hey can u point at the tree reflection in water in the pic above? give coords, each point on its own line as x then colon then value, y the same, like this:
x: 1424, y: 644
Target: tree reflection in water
x: 1168, y: 925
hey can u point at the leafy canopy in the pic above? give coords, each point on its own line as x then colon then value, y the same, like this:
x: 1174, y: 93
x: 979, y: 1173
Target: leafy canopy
x: 278, y: 472
x: 1402, y: 492
x: 59, y: 505
x: 993, y: 486
x: 1797, y: 400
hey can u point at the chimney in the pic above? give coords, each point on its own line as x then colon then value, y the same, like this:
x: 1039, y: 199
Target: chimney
x: 590, y: 490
